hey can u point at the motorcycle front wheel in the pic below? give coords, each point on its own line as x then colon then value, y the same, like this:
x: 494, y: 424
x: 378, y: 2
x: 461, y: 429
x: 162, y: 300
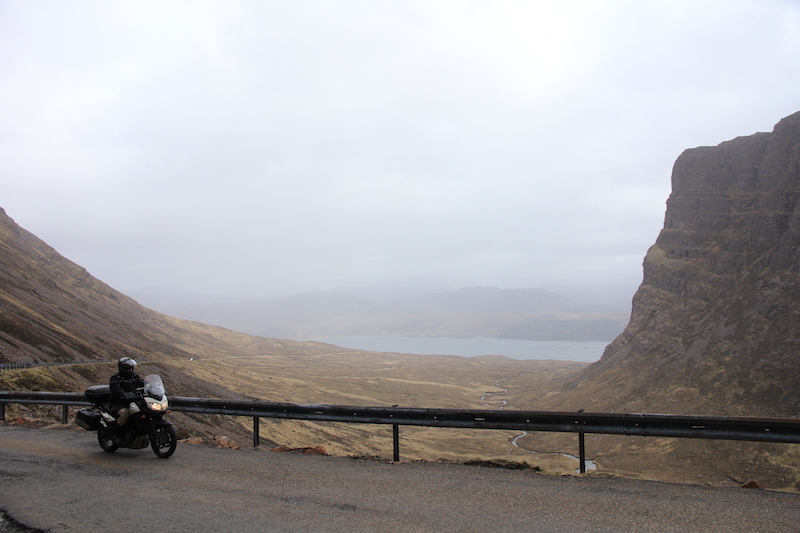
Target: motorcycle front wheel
x: 105, y: 440
x: 163, y: 440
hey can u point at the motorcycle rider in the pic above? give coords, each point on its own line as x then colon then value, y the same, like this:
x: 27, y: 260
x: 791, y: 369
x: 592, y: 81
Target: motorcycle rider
x: 123, y: 385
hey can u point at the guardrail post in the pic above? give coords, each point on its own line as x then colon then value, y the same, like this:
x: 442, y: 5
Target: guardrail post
x: 582, y: 452
x: 64, y: 413
x: 256, y: 436
x: 396, y: 442
x: 3, y: 411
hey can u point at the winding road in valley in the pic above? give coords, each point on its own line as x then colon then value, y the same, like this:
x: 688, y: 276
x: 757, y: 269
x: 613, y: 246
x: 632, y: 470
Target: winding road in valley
x: 493, y: 399
x: 58, y: 480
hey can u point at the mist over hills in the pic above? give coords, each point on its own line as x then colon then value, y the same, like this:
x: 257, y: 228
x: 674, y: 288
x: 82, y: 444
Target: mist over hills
x: 531, y: 314
x: 492, y: 301
x: 55, y: 311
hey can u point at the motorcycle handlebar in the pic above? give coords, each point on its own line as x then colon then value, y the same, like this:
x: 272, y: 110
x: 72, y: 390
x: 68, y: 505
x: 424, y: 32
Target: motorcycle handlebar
x: 131, y: 396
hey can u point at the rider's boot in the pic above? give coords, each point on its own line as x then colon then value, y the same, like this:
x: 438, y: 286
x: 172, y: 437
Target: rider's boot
x: 117, y: 435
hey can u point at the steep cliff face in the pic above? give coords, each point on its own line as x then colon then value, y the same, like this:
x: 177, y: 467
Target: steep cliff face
x: 715, y: 325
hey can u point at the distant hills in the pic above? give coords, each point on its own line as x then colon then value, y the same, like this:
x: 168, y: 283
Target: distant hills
x: 532, y: 314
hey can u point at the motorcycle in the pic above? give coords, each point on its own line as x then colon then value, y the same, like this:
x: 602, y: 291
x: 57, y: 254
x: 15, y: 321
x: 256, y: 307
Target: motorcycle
x: 146, y: 424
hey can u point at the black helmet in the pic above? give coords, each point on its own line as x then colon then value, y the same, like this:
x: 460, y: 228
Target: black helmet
x: 125, y: 366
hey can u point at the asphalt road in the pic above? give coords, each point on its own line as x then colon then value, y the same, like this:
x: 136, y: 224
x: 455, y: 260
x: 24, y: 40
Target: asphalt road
x: 59, y: 480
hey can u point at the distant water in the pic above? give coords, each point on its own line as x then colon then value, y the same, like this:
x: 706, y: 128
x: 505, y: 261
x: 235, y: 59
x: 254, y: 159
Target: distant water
x: 588, y: 352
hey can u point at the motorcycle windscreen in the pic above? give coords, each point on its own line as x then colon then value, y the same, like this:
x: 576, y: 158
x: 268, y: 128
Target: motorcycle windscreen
x: 153, y: 386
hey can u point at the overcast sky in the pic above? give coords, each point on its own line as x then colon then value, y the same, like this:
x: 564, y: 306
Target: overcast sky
x: 249, y: 148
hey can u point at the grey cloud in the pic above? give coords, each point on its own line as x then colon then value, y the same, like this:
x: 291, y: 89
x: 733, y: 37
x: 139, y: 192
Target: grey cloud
x: 256, y: 146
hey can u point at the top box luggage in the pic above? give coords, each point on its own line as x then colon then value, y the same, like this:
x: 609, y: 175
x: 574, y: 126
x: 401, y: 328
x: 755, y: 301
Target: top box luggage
x: 98, y: 394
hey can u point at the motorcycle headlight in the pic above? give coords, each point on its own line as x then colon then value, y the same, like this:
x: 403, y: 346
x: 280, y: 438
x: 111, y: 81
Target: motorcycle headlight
x: 155, y: 405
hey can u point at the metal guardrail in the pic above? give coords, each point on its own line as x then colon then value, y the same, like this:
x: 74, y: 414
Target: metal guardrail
x: 16, y: 366
x: 19, y: 366
x: 64, y: 399
x: 640, y: 424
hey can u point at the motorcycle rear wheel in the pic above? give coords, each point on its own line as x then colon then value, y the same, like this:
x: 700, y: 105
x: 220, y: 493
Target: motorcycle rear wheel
x: 105, y: 440
x: 163, y: 440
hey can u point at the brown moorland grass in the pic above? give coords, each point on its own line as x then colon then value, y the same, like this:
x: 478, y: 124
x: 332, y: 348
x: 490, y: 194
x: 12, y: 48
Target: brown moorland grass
x: 348, y: 377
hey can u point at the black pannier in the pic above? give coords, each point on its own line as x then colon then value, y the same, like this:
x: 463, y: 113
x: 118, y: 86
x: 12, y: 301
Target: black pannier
x: 98, y: 394
x: 88, y: 418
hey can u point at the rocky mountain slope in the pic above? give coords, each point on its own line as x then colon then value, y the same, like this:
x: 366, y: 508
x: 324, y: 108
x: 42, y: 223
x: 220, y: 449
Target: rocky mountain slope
x: 715, y: 325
